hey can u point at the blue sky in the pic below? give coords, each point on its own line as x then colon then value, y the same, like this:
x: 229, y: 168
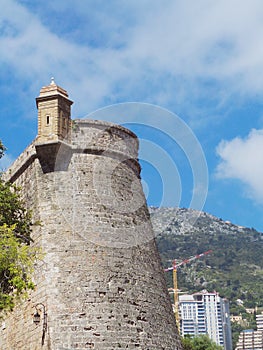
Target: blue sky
x: 201, y: 61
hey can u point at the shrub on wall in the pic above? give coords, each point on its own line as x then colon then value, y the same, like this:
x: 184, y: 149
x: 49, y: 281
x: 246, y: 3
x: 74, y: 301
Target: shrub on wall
x: 17, y: 256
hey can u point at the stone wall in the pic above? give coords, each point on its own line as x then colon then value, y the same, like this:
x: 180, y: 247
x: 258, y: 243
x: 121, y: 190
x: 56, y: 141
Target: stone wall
x: 100, y: 278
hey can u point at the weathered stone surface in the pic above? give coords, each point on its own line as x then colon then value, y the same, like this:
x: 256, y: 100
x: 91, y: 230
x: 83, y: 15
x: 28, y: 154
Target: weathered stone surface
x: 100, y: 279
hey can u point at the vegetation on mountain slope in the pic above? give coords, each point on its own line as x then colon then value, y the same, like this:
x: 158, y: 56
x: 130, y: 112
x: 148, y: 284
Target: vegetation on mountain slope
x: 234, y: 268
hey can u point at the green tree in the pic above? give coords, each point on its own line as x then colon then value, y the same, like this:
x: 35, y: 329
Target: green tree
x: 2, y: 149
x: 17, y: 256
x: 201, y: 342
x: 13, y: 212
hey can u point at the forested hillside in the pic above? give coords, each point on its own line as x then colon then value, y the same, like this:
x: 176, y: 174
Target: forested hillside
x: 235, y: 266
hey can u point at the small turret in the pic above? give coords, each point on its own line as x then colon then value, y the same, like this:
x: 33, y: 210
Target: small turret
x: 54, y: 114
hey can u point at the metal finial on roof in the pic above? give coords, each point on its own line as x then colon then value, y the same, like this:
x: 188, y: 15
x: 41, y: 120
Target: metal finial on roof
x: 52, y: 81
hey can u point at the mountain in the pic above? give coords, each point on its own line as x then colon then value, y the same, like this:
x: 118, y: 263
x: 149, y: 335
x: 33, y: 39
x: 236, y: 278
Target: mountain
x: 234, y: 268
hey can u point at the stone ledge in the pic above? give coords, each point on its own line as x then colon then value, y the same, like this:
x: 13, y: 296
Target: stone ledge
x: 21, y: 163
x: 104, y: 125
x: 47, y: 153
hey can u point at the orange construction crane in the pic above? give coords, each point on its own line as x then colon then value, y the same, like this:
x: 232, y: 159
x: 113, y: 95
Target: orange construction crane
x: 175, y: 288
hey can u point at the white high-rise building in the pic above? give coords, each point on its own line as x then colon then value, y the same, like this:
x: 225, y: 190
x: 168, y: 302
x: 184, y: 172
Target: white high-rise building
x: 206, y: 313
x: 259, y: 319
x: 251, y: 339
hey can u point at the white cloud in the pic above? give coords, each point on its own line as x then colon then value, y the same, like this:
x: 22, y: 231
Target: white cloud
x: 158, y: 53
x: 242, y: 159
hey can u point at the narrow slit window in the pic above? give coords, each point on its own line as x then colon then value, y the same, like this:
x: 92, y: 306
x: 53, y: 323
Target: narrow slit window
x: 48, y: 119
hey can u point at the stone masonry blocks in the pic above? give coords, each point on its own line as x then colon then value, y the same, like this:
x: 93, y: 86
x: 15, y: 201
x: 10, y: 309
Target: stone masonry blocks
x: 100, y: 278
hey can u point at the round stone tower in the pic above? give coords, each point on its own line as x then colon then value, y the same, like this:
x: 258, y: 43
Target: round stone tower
x: 100, y: 283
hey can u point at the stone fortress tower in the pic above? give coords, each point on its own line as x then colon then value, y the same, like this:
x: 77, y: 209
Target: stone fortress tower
x: 100, y: 284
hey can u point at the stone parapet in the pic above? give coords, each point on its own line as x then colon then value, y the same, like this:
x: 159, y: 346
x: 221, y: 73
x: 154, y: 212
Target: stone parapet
x: 21, y: 163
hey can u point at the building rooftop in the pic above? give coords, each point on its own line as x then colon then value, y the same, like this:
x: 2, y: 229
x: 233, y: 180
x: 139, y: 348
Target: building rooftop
x: 52, y: 89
